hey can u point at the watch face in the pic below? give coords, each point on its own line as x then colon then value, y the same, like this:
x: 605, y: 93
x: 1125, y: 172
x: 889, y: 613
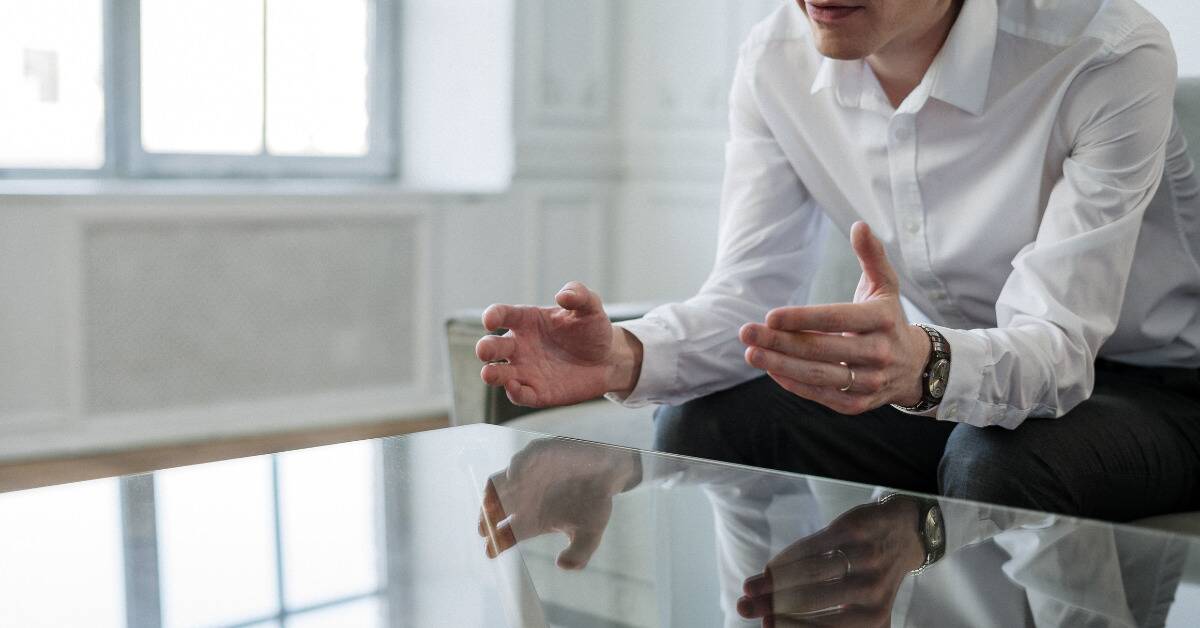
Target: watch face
x: 933, y: 529
x: 938, y: 375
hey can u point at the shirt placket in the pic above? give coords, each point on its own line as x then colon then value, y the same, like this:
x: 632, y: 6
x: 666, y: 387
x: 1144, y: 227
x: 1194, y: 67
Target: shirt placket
x: 909, y: 213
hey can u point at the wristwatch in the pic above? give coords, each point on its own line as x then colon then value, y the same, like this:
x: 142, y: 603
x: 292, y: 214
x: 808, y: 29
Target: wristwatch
x: 936, y: 375
x: 931, y: 528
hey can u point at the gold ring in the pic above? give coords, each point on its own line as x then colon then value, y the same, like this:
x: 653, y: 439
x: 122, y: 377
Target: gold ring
x: 849, y: 382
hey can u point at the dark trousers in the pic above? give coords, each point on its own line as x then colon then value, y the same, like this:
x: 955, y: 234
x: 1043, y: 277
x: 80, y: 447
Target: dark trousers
x: 1132, y: 450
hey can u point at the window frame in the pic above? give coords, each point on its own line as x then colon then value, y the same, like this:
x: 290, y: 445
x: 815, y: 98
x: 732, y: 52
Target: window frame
x: 124, y: 157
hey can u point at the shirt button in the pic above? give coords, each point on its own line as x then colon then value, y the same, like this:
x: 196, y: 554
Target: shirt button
x: 913, y: 227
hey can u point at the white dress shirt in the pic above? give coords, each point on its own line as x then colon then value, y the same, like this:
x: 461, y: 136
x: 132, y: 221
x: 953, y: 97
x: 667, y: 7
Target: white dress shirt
x: 1033, y: 193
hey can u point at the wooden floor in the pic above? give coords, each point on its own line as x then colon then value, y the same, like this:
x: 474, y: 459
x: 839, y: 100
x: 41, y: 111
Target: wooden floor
x: 26, y: 475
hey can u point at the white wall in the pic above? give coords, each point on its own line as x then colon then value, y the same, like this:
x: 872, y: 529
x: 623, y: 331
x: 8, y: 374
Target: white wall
x: 1182, y: 19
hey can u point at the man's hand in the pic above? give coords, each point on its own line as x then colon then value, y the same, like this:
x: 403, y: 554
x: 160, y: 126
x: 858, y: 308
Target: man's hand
x: 809, y: 350
x: 556, y: 485
x: 558, y: 355
x: 844, y: 575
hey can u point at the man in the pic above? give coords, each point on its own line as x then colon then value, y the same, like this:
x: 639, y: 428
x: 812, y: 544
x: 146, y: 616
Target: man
x: 1028, y: 195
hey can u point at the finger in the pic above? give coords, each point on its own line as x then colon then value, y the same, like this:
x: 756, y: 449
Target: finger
x: 835, y: 317
x: 500, y: 316
x: 495, y: 348
x: 822, y: 597
x: 753, y: 607
x: 518, y: 393
x: 833, y: 536
x: 497, y: 373
x: 815, y: 346
x: 819, y: 374
x: 577, y: 297
x: 492, y: 511
x: 872, y: 256
x: 579, y: 551
x: 758, y: 584
x: 500, y: 540
x: 849, y: 617
x: 841, y: 402
x: 807, y: 570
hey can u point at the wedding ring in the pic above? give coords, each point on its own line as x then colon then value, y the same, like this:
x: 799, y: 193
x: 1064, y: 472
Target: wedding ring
x: 839, y: 552
x: 849, y: 382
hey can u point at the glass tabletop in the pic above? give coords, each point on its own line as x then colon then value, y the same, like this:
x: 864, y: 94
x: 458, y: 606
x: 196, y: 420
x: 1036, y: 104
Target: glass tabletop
x: 489, y: 526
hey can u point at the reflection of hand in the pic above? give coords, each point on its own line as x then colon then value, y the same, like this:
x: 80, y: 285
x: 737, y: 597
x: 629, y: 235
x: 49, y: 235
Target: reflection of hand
x: 844, y: 575
x: 556, y: 485
x: 560, y: 355
x: 805, y: 349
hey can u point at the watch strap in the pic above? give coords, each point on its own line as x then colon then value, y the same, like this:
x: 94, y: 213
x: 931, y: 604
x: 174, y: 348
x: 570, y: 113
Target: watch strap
x: 932, y: 540
x: 939, y: 349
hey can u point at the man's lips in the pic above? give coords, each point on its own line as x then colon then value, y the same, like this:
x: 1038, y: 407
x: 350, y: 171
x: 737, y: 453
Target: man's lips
x: 828, y: 12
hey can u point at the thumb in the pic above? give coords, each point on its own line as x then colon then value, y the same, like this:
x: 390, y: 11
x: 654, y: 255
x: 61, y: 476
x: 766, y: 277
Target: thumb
x: 583, y: 544
x: 877, y: 270
x: 577, y: 297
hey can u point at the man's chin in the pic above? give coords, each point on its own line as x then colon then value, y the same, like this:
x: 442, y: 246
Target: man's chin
x: 843, y: 50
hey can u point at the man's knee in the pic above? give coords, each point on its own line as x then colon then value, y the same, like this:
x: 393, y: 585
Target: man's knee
x: 998, y: 466
x: 691, y: 429
x: 718, y: 426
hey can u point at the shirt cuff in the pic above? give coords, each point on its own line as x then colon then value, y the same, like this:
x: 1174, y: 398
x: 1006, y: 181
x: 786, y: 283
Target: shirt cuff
x: 659, y: 362
x: 969, y: 361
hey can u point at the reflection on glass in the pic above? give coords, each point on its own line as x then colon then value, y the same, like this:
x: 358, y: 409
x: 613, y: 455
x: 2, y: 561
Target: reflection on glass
x: 60, y: 556
x: 328, y: 512
x: 797, y: 551
x: 317, y: 77
x: 216, y: 536
x: 202, y: 76
x: 51, y: 84
x: 364, y: 613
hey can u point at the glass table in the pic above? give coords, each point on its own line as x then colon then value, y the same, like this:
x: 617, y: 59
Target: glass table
x: 490, y: 526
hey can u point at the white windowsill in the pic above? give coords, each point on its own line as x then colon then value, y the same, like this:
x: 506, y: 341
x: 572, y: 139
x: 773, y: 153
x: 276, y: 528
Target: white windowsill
x: 238, y: 188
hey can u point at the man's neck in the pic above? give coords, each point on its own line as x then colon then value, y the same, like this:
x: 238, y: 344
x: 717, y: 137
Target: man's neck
x: 902, y: 63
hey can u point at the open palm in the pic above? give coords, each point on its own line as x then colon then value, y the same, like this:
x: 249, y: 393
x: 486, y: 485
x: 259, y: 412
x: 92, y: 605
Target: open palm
x: 550, y: 355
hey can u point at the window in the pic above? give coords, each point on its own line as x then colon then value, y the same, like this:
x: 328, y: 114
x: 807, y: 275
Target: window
x: 208, y: 88
x: 51, y: 85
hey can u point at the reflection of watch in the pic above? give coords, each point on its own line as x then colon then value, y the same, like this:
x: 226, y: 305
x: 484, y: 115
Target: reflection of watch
x: 930, y: 527
x: 937, y: 372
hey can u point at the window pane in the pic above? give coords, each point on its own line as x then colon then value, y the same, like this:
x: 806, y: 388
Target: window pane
x: 202, y: 76
x: 216, y: 535
x: 328, y: 505
x: 317, y: 77
x: 60, y: 551
x: 51, y: 84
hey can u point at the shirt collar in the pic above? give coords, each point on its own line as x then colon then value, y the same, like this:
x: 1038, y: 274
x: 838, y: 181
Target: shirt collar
x: 963, y: 67
x: 845, y: 77
x: 960, y: 73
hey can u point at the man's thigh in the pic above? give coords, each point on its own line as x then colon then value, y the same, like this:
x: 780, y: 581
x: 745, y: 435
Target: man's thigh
x: 1132, y: 450
x: 759, y: 423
